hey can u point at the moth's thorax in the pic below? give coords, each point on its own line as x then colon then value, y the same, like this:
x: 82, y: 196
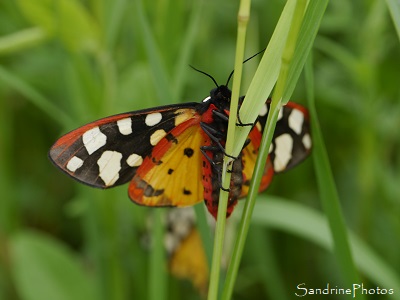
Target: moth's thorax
x: 221, y: 97
x: 221, y: 92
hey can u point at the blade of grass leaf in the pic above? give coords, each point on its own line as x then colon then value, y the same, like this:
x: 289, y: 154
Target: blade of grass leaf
x: 243, y: 18
x: 9, y: 209
x: 105, y: 58
x: 328, y: 192
x: 394, y: 9
x: 260, y: 246
x: 187, y: 49
x: 21, y: 40
x: 37, y: 259
x: 204, y: 230
x: 305, y: 40
x: 96, y: 237
x: 114, y: 23
x: 83, y: 95
x: 157, y: 65
x: 35, y: 97
x: 157, y: 287
x: 287, y: 58
x: 255, y: 182
x: 109, y: 79
x: 265, y: 78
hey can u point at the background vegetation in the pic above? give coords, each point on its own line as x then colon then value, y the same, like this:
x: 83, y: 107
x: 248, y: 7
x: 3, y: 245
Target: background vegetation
x: 64, y: 63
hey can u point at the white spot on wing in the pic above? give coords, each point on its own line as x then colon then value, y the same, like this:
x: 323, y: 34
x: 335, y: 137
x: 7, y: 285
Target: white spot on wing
x: 157, y: 136
x: 125, y: 126
x: 153, y: 119
x: 264, y: 110
x: 307, y: 141
x: 134, y: 160
x: 280, y: 114
x: 94, y: 139
x: 296, y: 120
x: 74, y: 164
x: 206, y: 99
x: 109, y: 166
x: 283, y: 151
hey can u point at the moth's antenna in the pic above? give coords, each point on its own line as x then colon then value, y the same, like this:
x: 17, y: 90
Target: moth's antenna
x: 200, y: 71
x: 247, y: 59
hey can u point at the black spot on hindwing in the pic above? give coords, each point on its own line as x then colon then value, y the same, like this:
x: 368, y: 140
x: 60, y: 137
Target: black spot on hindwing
x: 188, y: 152
x: 155, y: 161
x: 171, y: 138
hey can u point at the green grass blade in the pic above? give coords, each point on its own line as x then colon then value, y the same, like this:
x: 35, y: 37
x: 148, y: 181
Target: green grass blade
x: 186, y: 52
x: 243, y: 18
x: 265, y: 78
x: 260, y: 247
x: 246, y: 217
x: 163, y: 87
x: 9, y: 209
x: 44, y: 268
x: 328, y: 193
x: 394, y: 9
x: 157, y: 287
x: 21, y: 40
x: 308, y: 31
x: 69, y: 20
x: 204, y: 231
x: 114, y: 23
x: 35, y: 97
x: 287, y: 56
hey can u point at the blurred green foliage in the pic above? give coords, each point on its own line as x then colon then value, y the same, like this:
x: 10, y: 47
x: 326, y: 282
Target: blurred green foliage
x: 67, y: 62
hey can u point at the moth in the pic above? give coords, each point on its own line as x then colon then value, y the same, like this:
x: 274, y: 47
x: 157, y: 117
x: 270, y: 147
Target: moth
x: 172, y: 155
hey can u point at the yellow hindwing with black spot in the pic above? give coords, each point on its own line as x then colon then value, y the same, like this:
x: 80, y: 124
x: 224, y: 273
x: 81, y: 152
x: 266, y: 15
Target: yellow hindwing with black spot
x: 172, y: 174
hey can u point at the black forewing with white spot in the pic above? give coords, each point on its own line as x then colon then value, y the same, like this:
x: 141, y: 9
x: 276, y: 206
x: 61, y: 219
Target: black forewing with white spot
x: 107, y: 152
x: 291, y: 142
